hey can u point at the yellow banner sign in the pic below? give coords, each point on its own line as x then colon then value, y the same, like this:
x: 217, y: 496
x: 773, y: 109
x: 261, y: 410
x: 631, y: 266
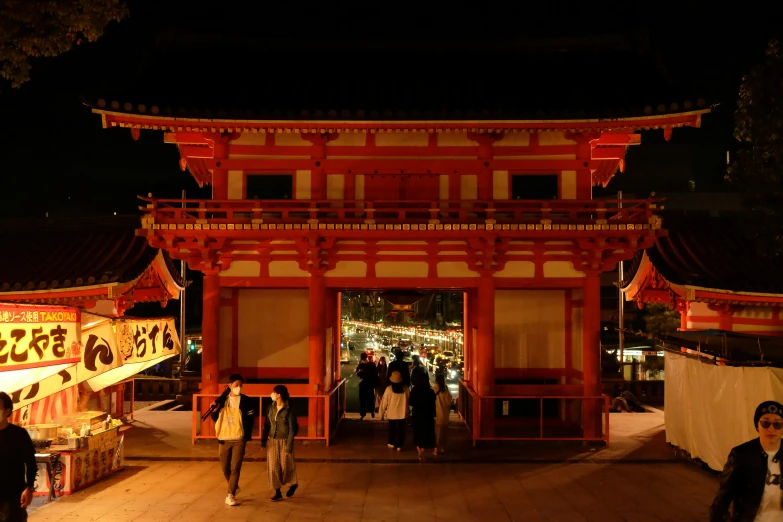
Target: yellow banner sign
x: 40, y: 336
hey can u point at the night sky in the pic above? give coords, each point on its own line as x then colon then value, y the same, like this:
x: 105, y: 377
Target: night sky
x: 58, y: 159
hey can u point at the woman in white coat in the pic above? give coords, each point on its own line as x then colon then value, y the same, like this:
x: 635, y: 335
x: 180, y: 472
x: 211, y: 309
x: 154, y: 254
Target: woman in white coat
x: 394, y: 406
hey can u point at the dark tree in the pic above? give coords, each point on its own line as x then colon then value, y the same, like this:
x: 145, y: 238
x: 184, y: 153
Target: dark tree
x: 36, y: 28
x: 758, y: 169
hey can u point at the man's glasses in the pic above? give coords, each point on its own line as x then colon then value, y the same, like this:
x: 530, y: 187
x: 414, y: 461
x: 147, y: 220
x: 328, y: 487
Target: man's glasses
x: 778, y: 425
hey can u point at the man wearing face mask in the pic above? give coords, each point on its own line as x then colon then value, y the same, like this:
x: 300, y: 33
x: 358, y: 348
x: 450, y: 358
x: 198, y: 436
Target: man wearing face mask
x: 233, y: 415
x: 17, y: 462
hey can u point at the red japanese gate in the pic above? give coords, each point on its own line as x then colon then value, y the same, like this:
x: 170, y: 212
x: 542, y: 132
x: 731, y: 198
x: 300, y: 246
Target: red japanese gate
x: 414, y: 205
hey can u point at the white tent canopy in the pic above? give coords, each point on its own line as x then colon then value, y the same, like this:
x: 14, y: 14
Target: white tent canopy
x: 709, y: 408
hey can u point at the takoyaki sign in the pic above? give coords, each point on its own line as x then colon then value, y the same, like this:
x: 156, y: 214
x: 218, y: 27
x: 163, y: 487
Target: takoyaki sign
x: 40, y: 336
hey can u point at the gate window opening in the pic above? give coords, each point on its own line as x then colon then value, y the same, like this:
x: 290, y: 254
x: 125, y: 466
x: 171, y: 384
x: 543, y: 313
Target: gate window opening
x: 426, y: 323
x: 269, y: 186
x: 535, y: 186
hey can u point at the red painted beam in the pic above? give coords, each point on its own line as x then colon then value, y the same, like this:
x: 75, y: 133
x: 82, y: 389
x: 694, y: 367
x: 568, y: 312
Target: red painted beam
x: 398, y: 166
x: 608, y: 153
x: 618, y: 138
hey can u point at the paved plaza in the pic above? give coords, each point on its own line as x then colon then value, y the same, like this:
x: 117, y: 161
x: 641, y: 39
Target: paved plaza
x: 195, y: 491
x: 636, y: 479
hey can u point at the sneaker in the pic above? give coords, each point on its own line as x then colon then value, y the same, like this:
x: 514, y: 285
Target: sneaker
x: 390, y: 446
x: 291, y: 490
x: 399, y: 449
x: 277, y: 496
x: 435, y: 452
x: 230, y: 500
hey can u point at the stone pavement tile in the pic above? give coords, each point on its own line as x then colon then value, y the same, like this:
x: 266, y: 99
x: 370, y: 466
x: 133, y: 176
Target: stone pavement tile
x: 195, y: 491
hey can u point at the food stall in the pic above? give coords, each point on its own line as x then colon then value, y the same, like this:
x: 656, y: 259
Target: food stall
x: 65, y: 371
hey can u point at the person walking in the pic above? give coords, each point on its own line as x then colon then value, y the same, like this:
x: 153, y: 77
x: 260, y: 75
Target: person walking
x: 751, y: 477
x: 280, y: 428
x: 399, y: 365
x: 422, y: 400
x: 443, y: 402
x: 394, y: 406
x: 234, y: 416
x: 383, y: 381
x: 17, y: 462
x: 419, y: 370
x: 368, y: 375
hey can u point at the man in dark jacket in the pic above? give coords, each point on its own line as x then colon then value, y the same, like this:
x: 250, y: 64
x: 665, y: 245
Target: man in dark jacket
x: 17, y: 462
x: 751, y: 476
x: 399, y: 365
x: 419, y: 371
x: 368, y: 373
x: 233, y: 415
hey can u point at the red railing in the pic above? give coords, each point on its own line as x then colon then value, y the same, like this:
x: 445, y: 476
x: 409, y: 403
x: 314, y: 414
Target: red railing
x: 334, y: 412
x: 469, y: 405
x: 189, y: 211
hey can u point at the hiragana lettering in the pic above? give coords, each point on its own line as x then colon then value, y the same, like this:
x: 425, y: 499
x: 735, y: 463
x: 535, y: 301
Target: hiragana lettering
x: 39, y: 338
x: 17, y: 334
x: 168, y: 342
x: 58, y: 340
x: 65, y: 375
x: 3, y: 351
x: 33, y: 391
x: 140, y: 341
x: 153, y: 334
x: 93, y: 350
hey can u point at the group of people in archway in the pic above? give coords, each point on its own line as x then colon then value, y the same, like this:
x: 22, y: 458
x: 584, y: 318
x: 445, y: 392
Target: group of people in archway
x: 402, y: 393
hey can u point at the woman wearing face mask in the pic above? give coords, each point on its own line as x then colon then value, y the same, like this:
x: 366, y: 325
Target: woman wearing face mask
x: 280, y: 428
x: 233, y: 418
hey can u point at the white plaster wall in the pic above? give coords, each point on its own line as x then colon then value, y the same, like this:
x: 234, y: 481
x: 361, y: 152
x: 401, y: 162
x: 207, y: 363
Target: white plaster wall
x: 242, y: 269
x: 561, y: 269
x: 444, y: 187
x: 568, y: 184
x: 577, y: 339
x: 302, y: 188
x: 401, y: 269
x: 514, y: 139
x: 500, y: 189
x: 517, y: 269
x: 455, y: 269
x: 530, y: 328
x: 273, y: 329
x: 335, y: 186
x: 348, y: 269
x: 409, y: 139
x: 468, y: 184
x: 235, y: 178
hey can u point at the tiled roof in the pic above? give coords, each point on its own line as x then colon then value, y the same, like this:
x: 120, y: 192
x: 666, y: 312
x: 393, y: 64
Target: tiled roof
x: 718, y: 253
x: 72, y: 253
x: 273, y: 83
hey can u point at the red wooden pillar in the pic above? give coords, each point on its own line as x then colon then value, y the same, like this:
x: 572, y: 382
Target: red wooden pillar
x: 338, y: 335
x: 210, y: 332
x: 591, y: 356
x: 467, y: 345
x: 485, y: 351
x: 317, y: 353
x: 219, y: 184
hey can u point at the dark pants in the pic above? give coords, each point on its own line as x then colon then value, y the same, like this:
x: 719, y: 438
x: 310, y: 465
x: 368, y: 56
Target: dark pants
x: 10, y: 510
x: 366, y: 399
x: 397, y: 432
x: 231, y: 454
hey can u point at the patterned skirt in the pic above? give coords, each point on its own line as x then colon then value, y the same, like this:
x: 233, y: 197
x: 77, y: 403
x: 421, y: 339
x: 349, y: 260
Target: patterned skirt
x: 282, y: 469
